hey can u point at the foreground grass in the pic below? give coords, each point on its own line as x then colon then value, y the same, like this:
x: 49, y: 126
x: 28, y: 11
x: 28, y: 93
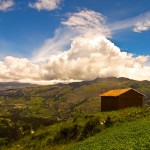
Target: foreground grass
x: 127, y: 136
x: 129, y: 130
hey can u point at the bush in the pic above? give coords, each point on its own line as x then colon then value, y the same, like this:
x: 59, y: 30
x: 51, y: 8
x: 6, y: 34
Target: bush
x: 67, y: 134
x: 3, y: 141
x: 108, y: 122
x: 91, y: 127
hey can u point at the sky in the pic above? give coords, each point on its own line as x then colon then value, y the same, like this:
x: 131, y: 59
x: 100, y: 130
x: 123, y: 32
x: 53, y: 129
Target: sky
x: 53, y: 41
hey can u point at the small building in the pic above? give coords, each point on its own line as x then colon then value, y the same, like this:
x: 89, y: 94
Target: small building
x: 121, y: 98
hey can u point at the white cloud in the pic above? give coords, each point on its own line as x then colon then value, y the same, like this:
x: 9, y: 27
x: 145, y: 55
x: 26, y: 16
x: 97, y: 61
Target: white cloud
x: 138, y: 24
x: 82, y: 24
x: 18, y: 68
x: 88, y: 22
x: 90, y: 54
x: 142, y: 26
x: 53, y: 46
x: 6, y: 5
x: 45, y: 4
x: 89, y: 58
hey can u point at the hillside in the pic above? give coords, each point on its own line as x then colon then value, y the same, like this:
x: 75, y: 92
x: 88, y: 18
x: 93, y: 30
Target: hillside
x: 126, y: 129
x: 132, y: 135
x: 65, y: 116
x: 62, y: 101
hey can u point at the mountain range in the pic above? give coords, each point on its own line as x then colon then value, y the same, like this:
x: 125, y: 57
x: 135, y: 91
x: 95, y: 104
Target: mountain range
x: 62, y: 100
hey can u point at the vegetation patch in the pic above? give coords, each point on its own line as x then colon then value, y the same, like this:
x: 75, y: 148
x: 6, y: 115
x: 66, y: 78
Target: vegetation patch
x: 91, y: 127
x: 67, y: 134
x: 127, y: 136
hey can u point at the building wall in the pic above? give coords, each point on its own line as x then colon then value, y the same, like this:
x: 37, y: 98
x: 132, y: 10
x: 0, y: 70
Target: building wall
x: 109, y: 103
x: 130, y: 99
x: 125, y: 102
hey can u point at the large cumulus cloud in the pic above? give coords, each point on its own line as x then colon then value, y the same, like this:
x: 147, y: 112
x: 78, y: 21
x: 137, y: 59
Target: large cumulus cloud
x: 96, y: 57
x: 80, y: 50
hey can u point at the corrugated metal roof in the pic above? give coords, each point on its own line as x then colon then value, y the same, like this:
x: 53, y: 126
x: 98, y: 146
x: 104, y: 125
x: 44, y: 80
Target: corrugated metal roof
x: 115, y: 92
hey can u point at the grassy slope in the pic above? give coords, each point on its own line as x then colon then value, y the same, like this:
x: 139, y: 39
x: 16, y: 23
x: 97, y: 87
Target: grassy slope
x: 75, y: 101
x: 130, y: 127
x: 127, y: 136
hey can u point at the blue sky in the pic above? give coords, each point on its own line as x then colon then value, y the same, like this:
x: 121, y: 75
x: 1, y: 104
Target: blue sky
x: 27, y: 25
x: 23, y: 29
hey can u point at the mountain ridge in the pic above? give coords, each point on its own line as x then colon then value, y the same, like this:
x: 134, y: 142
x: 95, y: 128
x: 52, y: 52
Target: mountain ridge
x: 63, y: 100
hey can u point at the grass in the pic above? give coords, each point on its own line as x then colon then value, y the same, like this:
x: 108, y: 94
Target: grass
x: 88, y: 131
x: 77, y: 105
x: 128, y: 136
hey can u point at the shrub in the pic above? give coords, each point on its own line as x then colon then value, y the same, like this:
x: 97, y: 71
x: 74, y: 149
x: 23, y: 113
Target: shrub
x: 91, y: 127
x: 67, y: 134
x: 3, y: 141
x: 108, y: 122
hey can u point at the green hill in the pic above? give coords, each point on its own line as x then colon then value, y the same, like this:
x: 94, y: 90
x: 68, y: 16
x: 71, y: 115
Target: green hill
x: 66, y: 116
x: 62, y: 101
x: 126, y: 129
